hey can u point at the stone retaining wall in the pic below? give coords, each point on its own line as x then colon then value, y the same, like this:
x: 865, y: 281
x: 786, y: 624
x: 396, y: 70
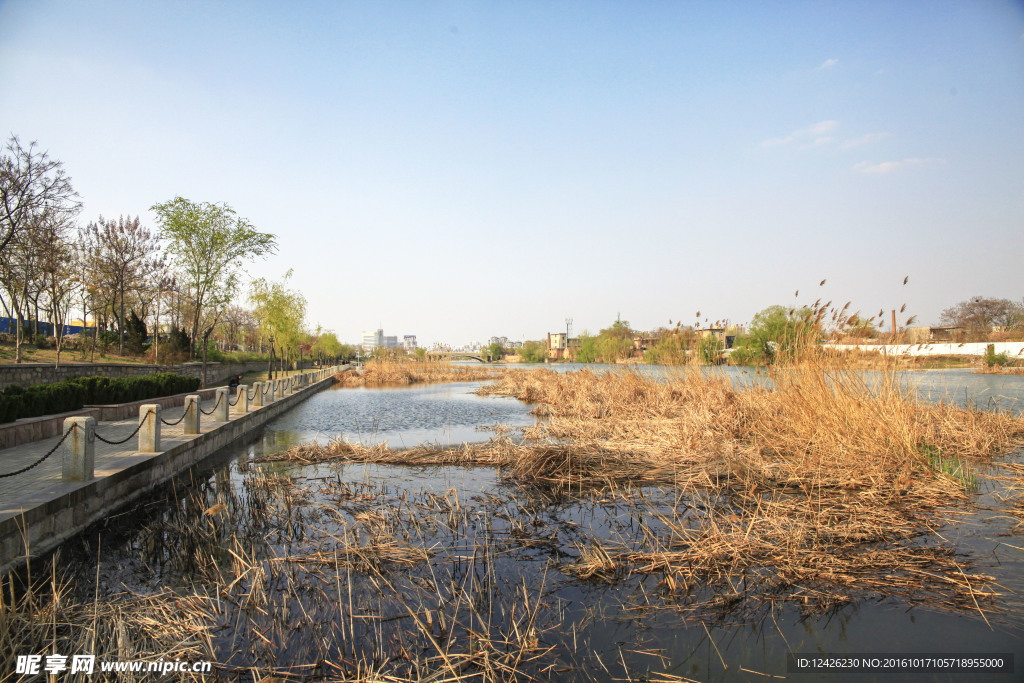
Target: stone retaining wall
x: 77, y: 506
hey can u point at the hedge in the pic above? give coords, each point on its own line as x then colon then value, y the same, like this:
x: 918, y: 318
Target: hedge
x: 72, y: 394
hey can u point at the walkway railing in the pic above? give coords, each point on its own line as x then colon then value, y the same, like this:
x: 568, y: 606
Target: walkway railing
x: 80, y: 453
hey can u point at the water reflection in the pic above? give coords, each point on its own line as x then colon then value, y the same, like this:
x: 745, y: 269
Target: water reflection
x: 623, y: 630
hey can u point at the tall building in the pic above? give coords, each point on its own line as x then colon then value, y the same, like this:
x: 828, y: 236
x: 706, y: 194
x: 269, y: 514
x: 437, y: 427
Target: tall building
x: 372, y: 340
x: 409, y: 342
x: 391, y: 342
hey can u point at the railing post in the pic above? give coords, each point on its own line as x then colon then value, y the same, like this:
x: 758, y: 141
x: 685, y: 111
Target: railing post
x: 276, y: 394
x: 79, y: 449
x: 220, y: 409
x: 191, y: 420
x: 257, y: 400
x: 243, y: 398
x: 149, y: 431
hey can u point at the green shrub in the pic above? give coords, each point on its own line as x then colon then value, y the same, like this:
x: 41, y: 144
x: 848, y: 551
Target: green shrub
x: 60, y: 397
x: 992, y: 358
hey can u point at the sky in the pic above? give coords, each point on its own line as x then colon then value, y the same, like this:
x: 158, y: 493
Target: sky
x: 462, y: 170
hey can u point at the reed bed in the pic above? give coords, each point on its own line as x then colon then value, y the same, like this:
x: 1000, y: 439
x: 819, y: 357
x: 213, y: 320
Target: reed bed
x: 382, y: 373
x: 816, y: 467
x: 686, y: 496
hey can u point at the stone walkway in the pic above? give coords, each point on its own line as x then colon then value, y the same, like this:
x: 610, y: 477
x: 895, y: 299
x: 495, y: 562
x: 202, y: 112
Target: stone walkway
x: 43, y: 482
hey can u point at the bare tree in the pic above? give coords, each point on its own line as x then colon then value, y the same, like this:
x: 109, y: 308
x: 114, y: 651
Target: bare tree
x: 981, y: 313
x: 56, y: 255
x: 31, y: 183
x: 122, y: 254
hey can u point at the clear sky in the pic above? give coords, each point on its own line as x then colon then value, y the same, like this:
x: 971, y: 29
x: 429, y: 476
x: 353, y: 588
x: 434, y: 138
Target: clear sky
x: 462, y: 170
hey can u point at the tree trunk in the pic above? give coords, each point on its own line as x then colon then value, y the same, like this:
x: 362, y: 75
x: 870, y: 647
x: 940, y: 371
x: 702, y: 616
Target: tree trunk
x: 206, y: 336
x: 120, y: 327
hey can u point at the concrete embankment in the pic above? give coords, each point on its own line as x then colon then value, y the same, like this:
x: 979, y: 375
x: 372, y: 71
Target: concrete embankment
x: 40, y: 508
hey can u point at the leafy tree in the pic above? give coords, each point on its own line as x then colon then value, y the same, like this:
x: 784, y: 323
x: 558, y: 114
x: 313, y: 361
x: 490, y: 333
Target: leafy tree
x: 533, y: 352
x: 776, y: 332
x: 327, y: 346
x: 586, y: 349
x: 208, y: 243
x: 496, y: 351
x: 616, y: 342
x: 671, y: 346
x: 136, y: 333
x: 421, y: 354
x: 280, y: 314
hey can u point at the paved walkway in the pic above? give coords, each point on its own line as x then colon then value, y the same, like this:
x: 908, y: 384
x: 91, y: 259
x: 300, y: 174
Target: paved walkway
x: 43, y: 482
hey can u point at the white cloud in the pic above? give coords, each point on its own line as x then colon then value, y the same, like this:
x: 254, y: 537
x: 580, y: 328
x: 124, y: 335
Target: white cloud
x: 828, y: 64
x: 823, y: 140
x: 891, y: 166
x: 818, y: 133
x: 822, y: 128
x: 862, y: 140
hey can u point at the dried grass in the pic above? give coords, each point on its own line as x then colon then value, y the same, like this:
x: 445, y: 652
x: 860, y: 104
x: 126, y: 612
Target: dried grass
x: 383, y: 373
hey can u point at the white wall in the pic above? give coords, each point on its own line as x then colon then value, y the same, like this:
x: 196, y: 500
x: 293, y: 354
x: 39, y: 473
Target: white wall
x: 1012, y: 349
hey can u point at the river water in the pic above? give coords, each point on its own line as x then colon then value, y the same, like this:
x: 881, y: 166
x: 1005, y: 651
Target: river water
x: 601, y: 630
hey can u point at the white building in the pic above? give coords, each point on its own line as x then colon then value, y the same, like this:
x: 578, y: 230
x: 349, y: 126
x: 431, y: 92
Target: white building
x: 409, y: 342
x: 372, y: 340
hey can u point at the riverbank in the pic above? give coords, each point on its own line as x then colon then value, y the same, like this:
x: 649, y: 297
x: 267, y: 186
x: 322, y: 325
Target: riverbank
x: 677, y: 527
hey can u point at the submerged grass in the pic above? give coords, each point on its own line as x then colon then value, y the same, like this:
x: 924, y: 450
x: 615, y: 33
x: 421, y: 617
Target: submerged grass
x: 686, y: 495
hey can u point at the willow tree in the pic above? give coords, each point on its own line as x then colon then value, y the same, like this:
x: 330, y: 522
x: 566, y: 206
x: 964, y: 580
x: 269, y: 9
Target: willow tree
x: 280, y: 314
x: 208, y: 243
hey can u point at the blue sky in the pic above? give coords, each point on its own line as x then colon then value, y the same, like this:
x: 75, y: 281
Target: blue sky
x: 462, y: 170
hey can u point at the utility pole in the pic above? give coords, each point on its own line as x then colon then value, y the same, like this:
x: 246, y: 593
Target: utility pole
x: 568, y: 329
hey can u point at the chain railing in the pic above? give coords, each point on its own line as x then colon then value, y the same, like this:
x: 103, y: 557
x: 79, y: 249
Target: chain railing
x: 40, y: 460
x: 220, y: 397
x: 178, y: 421
x: 268, y: 388
x: 142, y: 421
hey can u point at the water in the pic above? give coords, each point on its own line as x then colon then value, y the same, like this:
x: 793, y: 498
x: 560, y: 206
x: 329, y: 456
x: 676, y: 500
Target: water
x: 508, y: 549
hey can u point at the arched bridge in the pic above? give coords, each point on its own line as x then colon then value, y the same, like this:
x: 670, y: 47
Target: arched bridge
x: 459, y: 355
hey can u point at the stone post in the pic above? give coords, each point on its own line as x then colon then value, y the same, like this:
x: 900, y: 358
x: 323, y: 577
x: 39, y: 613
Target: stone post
x: 191, y: 420
x: 243, y: 398
x: 276, y: 393
x: 149, y: 432
x: 257, y: 400
x: 79, y: 449
x: 220, y: 410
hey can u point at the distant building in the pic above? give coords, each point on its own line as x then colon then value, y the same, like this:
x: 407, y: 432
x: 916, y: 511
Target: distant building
x: 500, y: 341
x: 556, y: 341
x: 409, y: 342
x: 391, y: 342
x: 372, y: 340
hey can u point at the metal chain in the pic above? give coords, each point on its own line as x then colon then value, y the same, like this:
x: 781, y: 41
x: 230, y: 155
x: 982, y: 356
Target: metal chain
x: 248, y: 397
x: 214, y: 408
x: 171, y: 424
x: 118, y: 443
x: 238, y: 397
x: 40, y: 460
